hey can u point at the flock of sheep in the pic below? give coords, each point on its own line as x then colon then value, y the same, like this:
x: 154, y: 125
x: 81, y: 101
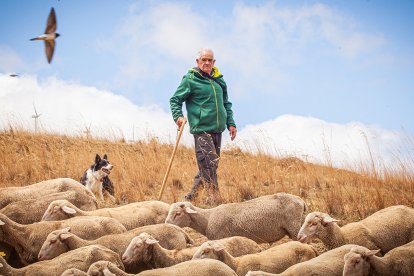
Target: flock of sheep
x: 56, y: 228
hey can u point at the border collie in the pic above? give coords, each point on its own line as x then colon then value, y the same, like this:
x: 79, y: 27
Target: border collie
x: 96, y: 178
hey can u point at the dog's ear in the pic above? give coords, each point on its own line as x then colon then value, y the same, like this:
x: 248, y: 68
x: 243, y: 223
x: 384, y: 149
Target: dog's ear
x: 97, y: 158
x: 105, y: 157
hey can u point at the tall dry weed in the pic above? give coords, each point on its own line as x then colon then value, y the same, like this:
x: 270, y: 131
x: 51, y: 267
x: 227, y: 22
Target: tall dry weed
x: 139, y: 169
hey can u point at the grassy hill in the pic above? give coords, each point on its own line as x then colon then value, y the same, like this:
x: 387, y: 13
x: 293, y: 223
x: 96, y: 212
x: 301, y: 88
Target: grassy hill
x: 139, y: 169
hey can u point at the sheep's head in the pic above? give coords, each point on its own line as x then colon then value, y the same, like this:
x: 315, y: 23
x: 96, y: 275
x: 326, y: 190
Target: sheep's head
x: 356, y: 261
x: 102, y: 268
x: 179, y: 214
x: 1, y: 223
x: 54, y: 244
x: 210, y: 250
x: 73, y: 272
x: 137, y: 250
x: 59, y: 210
x: 313, y: 225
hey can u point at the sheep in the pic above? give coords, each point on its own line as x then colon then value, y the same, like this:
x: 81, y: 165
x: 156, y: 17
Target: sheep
x: 39, y: 190
x: 105, y: 268
x: 385, y: 229
x: 207, y: 267
x: 63, y: 240
x: 264, y: 219
x: 260, y: 273
x: 28, y: 239
x: 76, y: 272
x: 144, y: 248
x: 329, y: 263
x: 275, y: 259
x: 132, y: 215
x: 31, y: 210
x: 362, y: 261
x: 81, y: 258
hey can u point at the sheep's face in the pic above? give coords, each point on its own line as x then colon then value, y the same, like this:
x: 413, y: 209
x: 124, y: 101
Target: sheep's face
x: 55, y: 212
x: 1, y: 230
x: 210, y: 250
x: 355, y: 265
x: 100, y: 268
x: 357, y: 261
x: 133, y: 251
x: 73, y: 272
x: 53, y: 246
x: 313, y: 225
x: 205, y: 251
x: 179, y: 214
x: 137, y: 250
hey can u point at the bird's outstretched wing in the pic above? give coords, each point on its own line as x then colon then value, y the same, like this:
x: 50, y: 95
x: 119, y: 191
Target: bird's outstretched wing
x: 49, y: 49
x: 51, y: 22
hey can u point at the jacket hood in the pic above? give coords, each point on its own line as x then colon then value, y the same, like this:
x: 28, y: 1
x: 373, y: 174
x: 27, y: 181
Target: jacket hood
x: 216, y: 72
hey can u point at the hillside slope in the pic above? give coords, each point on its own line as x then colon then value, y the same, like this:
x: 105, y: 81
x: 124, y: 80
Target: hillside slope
x: 139, y: 169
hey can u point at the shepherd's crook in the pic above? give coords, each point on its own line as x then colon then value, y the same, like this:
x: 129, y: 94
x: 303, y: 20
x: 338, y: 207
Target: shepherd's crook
x: 171, y: 159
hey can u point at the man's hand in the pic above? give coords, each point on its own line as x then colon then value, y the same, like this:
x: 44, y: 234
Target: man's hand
x: 180, y: 121
x: 233, y: 132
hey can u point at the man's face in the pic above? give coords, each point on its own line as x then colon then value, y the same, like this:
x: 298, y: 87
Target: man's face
x: 206, y: 61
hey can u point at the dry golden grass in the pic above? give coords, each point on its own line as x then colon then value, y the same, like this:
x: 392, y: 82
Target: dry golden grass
x: 139, y: 169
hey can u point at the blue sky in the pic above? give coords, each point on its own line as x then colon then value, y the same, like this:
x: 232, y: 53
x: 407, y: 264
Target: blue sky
x: 309, y: 78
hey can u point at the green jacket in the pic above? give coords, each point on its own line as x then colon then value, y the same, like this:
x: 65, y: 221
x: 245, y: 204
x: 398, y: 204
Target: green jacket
x: 206, y: 101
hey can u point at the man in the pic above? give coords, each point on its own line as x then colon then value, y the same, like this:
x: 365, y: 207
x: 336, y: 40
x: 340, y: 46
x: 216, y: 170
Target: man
x: 209, y: 113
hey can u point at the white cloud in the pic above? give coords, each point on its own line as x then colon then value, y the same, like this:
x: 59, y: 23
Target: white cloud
x: 353, y: 145
x: 254, y: 40
x: 156, y: 41
x: 69, y: 108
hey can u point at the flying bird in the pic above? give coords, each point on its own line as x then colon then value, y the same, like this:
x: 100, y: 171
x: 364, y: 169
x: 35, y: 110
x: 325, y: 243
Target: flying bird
x: 49, y: 36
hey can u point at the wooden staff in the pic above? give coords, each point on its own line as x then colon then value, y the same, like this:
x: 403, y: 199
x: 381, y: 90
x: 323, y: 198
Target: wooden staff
x: 171, y: 159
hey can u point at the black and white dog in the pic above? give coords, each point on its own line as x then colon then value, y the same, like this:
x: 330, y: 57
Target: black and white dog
x: 96, y: 178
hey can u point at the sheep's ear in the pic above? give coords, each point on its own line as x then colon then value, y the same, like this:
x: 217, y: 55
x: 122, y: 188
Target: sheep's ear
x: 370, y: 253
x: 67, y: 229
x: 190, y: 211
x: 97, y: 158
x: 106, y: 272
x: 68, y: 210
x: 151, y: 241
x: 64, y: 236
x: 327, y: 219
x: 1, y: 222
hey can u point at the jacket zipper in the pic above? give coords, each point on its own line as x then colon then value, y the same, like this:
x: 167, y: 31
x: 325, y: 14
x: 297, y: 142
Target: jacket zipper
x: 215, y: 97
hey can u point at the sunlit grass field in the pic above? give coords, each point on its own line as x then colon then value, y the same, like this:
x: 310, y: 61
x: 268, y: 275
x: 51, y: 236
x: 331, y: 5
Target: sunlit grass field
x: 139, y: 169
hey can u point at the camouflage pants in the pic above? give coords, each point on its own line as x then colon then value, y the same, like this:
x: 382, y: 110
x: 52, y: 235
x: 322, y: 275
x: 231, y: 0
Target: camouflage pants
x: 207, y: 151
